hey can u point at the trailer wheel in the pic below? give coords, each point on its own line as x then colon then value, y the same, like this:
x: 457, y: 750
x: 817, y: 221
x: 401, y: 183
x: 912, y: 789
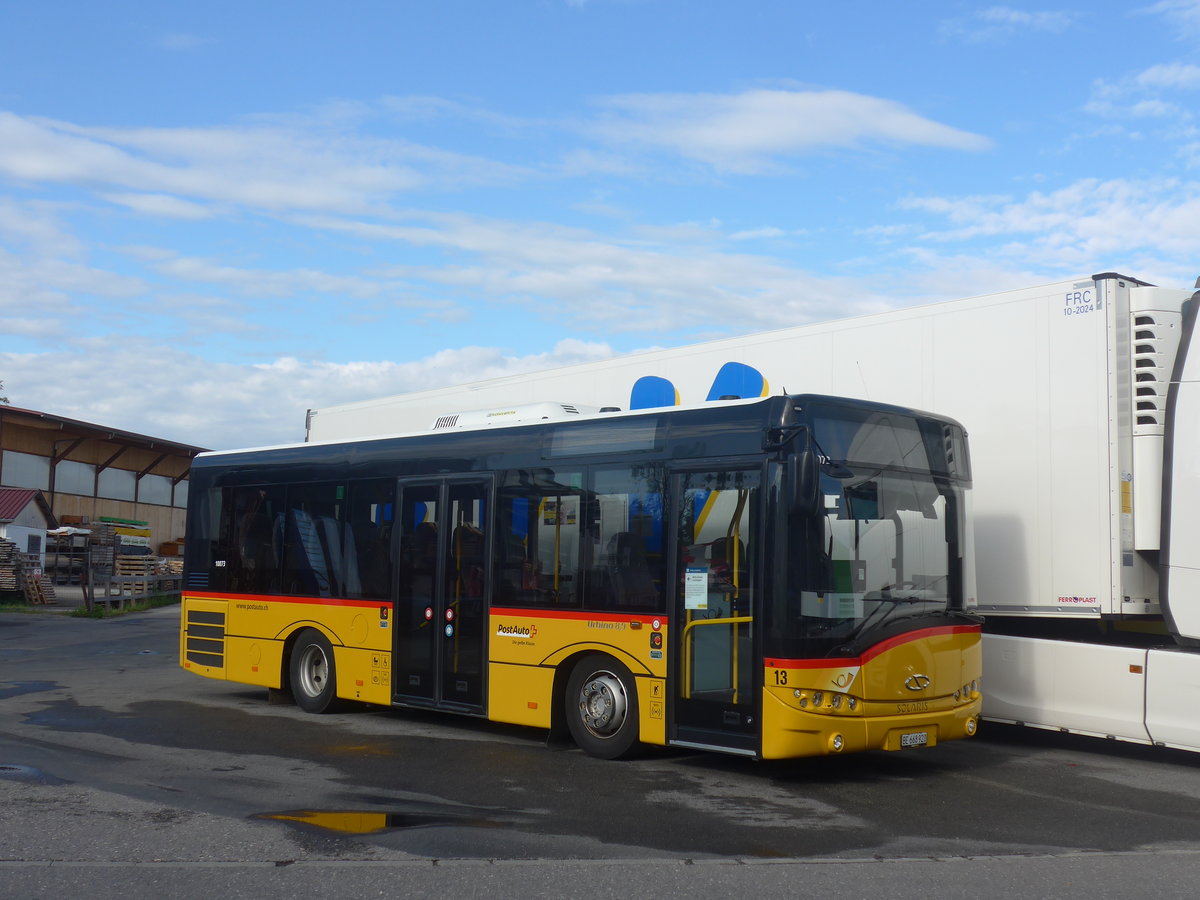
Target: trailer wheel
x: 313, y: 674
x: 601, y: 707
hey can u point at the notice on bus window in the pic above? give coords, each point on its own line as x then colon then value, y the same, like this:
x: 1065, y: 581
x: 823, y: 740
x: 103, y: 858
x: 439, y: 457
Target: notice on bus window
x: 695, y: 587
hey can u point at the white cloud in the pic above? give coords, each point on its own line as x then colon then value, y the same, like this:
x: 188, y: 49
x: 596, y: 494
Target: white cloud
x: 43, y: 329
x: 1190, y: 154
x: 267, y: 166
x: 46, y: 285
x: 181, y: 41
x: 757, y: 234
x: 1153, y: 109
x: 202, y: 318
x: 752, y: 131
x: 996, y: 23
x: 1045, y: 20
x: 1183, y: 13
x: 312, y: 174
x: 221, y: 406
x: 416, y: 107
x: 160, y: 205
x: 612, y: 284
x: 583, y: 162
x: 267, y: 283
x: 1184, y: 76
x: 37, y: 225
x: 1141, y: 94
x: 1088, y: 225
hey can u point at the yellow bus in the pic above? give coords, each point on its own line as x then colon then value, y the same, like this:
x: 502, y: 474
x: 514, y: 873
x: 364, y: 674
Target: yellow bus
x: 775, y: 578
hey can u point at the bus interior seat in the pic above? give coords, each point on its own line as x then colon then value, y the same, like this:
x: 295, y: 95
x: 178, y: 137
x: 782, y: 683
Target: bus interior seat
x: 629, y: 572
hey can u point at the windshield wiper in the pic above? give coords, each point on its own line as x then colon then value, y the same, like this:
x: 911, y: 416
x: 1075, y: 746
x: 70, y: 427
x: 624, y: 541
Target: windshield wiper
x: 888, y: 604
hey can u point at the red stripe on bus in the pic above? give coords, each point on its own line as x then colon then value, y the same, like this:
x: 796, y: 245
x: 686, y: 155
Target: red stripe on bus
x: 579, y: 615
x: 871, y: 652
x: 276, y: 598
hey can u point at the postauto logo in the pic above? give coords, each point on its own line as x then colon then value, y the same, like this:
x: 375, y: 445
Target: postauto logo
x: 503, y: 630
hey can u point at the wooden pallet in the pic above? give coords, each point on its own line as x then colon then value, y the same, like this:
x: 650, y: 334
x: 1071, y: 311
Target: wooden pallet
x: 10, y: 567
x: 39, y: 591
x: 132, y: 567
x: 35, y: 584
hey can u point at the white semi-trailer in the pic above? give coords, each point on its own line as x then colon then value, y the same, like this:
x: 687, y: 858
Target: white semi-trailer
x: 1082, y: 399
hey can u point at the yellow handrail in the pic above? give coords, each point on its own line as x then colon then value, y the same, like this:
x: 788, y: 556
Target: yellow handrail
x: 688, y: 631
x: 734, y: 548
x: 456, y: 605
x: 558, y: 504
x: 734, y: 539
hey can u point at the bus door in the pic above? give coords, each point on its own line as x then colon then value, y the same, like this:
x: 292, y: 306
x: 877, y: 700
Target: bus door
x: 442, y: 577
x: 715, y: 533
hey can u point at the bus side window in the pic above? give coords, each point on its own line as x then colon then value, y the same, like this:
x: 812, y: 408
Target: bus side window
x: 206, y: 539
x: 312, y: 558
x: 367, y: 547
x: 625, y: 539
x: 251, y: 534
x: 538, y: 538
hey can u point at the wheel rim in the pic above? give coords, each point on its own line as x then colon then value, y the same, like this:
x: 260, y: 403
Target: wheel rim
x: 313, y: 671
x: 603, y: 705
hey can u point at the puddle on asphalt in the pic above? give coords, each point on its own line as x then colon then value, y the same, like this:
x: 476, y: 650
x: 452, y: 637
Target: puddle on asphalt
x: 17, y: 688
x: 352, y: 822
x: 27, y: 774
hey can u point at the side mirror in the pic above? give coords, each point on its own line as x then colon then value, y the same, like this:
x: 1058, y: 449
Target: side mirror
x: 804, y: 483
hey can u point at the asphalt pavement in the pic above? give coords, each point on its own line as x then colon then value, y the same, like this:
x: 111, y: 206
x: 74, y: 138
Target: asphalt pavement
x: 121, y: 776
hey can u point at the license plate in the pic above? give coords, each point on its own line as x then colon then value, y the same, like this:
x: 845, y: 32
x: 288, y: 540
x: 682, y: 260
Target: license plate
x: 914, y: 739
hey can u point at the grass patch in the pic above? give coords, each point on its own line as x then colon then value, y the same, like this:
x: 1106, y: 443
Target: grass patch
x: 102, y: 610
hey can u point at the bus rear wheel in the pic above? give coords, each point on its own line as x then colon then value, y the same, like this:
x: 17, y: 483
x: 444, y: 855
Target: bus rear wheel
x: 313, y: 674
x: 602, y: 708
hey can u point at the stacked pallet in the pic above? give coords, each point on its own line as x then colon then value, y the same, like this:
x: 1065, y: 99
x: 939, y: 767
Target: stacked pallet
x: 10, y: 567
x: 45, y: 587
x: 102, y: 543
x: 36, y: 585
x: 135, y: 567
x: 39, y: 587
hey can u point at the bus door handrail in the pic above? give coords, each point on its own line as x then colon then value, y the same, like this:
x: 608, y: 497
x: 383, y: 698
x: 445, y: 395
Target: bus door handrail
x: 685, y: 639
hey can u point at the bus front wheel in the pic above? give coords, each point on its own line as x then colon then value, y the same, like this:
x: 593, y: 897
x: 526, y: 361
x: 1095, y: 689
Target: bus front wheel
x: 313, y: 675
x: 602, y: 708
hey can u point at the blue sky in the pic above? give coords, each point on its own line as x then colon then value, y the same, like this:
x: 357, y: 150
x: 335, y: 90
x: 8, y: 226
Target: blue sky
x: 214, y: 217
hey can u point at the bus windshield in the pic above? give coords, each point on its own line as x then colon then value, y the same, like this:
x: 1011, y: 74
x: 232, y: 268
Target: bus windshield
x: 885, y: 547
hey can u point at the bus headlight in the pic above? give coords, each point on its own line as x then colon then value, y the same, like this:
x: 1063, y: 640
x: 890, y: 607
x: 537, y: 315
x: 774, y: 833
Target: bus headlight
x: 836, y: 743
x: 970, y: 726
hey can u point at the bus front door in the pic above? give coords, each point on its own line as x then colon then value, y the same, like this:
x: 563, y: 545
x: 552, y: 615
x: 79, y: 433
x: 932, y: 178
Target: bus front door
x: 442, y: 589
x: 715, y: 526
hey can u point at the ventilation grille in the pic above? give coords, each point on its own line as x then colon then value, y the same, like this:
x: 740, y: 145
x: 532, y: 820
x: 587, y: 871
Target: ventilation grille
x: 948, y: 442
x: 1153, y: 355
x: 197, y: 580
x: 504, y: 416
x: 204, y: 634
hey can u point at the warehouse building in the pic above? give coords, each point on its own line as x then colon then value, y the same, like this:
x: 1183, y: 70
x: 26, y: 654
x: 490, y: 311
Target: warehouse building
x: 89, y: 473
